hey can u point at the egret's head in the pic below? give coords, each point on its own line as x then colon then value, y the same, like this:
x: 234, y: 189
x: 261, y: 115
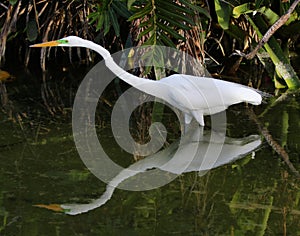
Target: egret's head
x: 70, y: 41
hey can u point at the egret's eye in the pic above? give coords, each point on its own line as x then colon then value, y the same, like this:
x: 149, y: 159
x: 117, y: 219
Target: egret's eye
x: 63, y: 41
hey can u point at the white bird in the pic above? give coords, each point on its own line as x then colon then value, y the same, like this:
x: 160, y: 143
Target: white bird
x: 194, y: 96
x: 188, y: 154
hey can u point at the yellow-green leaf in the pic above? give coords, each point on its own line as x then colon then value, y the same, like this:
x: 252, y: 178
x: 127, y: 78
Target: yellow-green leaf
x: 223, y: 11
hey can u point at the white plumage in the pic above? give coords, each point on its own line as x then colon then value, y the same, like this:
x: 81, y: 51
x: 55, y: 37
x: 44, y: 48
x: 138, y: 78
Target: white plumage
x: 194, y: 96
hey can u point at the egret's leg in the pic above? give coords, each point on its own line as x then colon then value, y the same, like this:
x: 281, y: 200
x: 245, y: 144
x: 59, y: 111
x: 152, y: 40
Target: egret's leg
x: 187, y: 121
x: 187, y: 118
x: 199, y: 117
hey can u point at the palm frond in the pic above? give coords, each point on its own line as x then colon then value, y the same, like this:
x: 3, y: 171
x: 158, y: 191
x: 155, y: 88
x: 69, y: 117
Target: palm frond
x: 161, y: 21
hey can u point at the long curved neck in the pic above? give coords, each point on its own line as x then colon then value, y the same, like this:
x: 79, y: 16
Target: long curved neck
x: 145, y: 85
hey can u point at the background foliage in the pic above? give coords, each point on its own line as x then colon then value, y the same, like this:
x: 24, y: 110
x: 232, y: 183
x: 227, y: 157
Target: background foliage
x: 209, y: 30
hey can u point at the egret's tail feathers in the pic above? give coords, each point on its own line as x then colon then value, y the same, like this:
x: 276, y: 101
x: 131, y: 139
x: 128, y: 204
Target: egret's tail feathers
x: 265, y: 95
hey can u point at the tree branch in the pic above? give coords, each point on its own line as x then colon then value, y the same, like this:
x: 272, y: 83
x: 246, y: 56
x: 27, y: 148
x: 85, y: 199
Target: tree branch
x: 272, y: 142
x: 281, y: 21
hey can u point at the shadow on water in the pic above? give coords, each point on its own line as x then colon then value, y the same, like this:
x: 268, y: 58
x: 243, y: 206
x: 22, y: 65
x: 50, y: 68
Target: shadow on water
x: 249, y: 190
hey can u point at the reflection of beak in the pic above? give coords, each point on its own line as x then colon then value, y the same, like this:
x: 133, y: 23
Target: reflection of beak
x: 46, y: 44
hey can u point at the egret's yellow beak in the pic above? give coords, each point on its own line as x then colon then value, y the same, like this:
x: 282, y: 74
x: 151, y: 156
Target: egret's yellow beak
x: 46, y: 44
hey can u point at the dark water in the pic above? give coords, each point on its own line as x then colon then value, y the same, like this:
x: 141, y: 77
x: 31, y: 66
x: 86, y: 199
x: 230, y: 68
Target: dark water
x: 255, y: 195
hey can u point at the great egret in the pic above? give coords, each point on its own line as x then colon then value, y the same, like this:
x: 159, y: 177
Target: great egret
x: 194, y: 96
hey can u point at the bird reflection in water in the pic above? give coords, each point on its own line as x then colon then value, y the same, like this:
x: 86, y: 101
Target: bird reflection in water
x: 195, y: 151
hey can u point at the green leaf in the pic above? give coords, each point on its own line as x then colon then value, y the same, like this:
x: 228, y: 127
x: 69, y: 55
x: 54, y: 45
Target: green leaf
x: 172, y: 6
x: 167, y: 41
x: 196, y: 8
x: 146, y: 31
x: 106, y: 22
x: 223, y: 11
x: 100, y: 22
x: 179, y: 24
x: 176, y: 16
x: 246, y: 8
x: 147, y: 23
x: 242, y: 9
x: 121, y: 9
x: 114, y: 21
x: 140, y: 14
x: 32, y: 30
x: 258, y: 3
x: 170, y: 31
x: 153, y: 57
x: 129, y: 3
x: 151, y: 40
x: 162, y: 19
x: 13, y: 2
x: 237, y: 33
x: 92, y: 17
x: 270, y: 15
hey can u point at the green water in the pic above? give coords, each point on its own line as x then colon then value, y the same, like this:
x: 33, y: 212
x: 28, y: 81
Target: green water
x: 257, y: 195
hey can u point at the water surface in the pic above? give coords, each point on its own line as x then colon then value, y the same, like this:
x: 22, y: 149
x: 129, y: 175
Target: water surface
x: 257, y: 194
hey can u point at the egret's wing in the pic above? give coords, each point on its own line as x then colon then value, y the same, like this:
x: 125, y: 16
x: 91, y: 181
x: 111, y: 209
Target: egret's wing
x: 194, y: 93
x: 208, y: 94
